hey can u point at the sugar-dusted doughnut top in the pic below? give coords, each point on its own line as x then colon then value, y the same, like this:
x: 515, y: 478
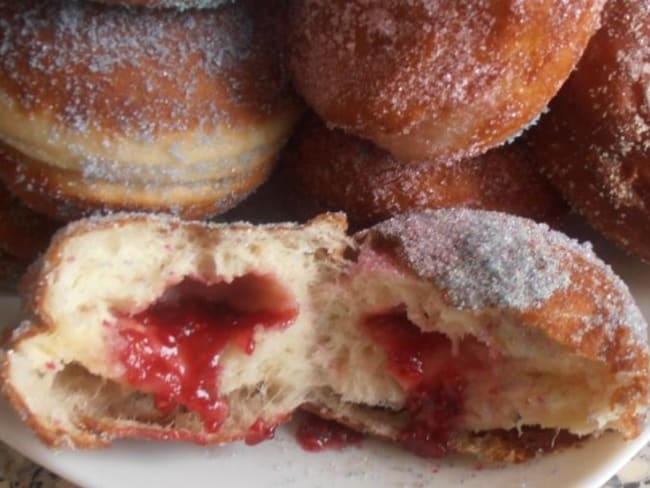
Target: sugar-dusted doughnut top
x: 142, y: 72
x: 482, y: 260
x: 435, y: 78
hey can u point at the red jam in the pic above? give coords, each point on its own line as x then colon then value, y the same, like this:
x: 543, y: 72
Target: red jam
x: 315, y: 434
x: 173, y: 349
x: 260, y: 432
x: 434, y: 376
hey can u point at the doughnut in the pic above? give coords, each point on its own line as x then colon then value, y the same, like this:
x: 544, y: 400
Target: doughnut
x: 594, y: 143
x: 326, y: 170
x: 177, y: 4
x: 108, y: 108
x: 433, y: 80
x: 430, y: 329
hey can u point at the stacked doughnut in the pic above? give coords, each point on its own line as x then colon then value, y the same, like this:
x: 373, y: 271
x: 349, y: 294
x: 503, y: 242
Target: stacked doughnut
x: 419, y: 96
x: 331, y: 170
x: 595, y: 143
x: 436, y: 80
x: 115, y: 107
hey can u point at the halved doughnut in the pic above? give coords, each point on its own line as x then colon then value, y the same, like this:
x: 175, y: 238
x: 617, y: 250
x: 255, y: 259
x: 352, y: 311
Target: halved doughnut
x: 446, y: 331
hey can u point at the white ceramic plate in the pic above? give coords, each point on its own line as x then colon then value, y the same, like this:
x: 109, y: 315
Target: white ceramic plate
x: 281, y: 463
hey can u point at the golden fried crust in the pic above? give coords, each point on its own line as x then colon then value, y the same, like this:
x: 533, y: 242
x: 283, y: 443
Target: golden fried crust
x: 549, y: 284
x: 593, y: 144
x: 331, y: 170
x: 562, y: 318
x: 66, y: 195
x: 94, y: 67
x: 513, y: 446
x: 435, y: 80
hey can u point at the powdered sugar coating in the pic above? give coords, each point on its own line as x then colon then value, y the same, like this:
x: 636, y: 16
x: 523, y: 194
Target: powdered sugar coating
x: 142, y: 72
x: 595, y: 142
x: 433, y: 79
x: 482, y: 259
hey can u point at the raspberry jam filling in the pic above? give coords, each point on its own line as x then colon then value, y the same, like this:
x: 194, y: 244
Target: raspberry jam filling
x: 173, y: 349
x: 434, y: 376
x: 259, y: 432
x: 315, y: 434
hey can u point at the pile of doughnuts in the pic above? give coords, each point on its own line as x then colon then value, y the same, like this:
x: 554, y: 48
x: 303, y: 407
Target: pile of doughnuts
x: 383, y: 109
x: 186, y: 107
x: 419, y: 102
x: 420, y: 99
